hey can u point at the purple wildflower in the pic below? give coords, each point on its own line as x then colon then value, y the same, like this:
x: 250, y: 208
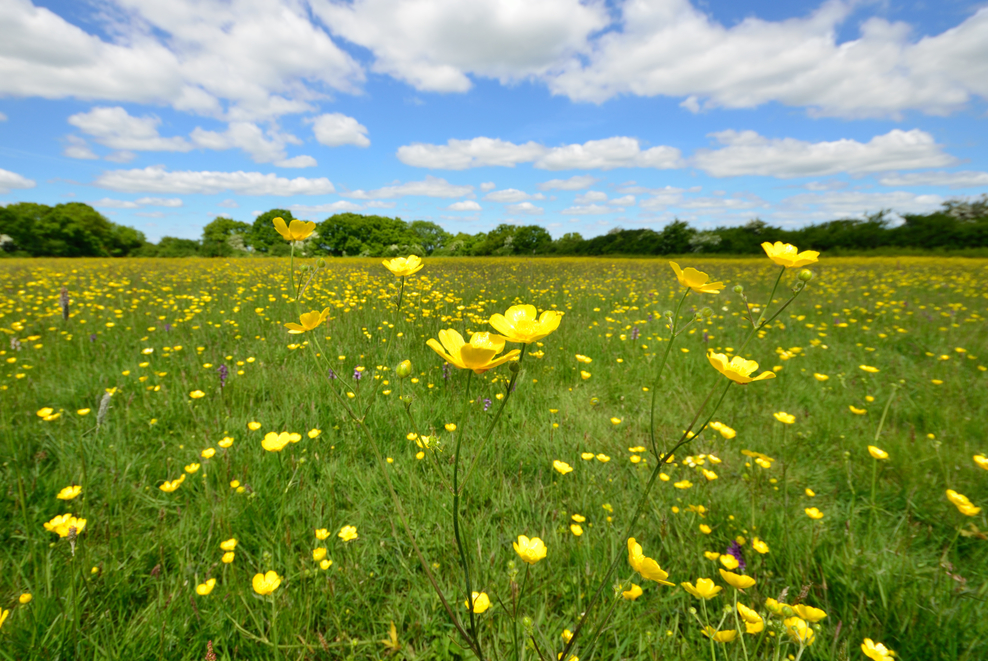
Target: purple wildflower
x: 168, y: 327
x: 92, y: 338
x: 446, y: 371
x: 332, y: 374
x: 735, y: 550
x: 224, y: 373
x: 357, y: 374
x: 651, y: 316
x: 634, y: 333
x: 487, y: 403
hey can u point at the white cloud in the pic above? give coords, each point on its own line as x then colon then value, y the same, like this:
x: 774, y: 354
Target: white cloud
x: 121, y: 156
x: 578, y: 182
x: 590, y: 210
x: 434, y: 44
x: 117, y: 129
x: 512, y: 195
x: 3, y: 117
x: 330, y: 207
x: 965, y: 179
x: 11, y: 180
x: 748, y: 153
x: 626, y: 201
x: 336, y: 129
x: 243, y: 59
x: 377, y: 204
x: 475, y: 153
x: 229, y: 204
x: 159, y: 201
x: 430, y: 187
x: 617, y: 152
x: 263, y: 148
x: 855, y: 204
x: 107, y: 203
x: 672, y: 48
x: 297, y: 162
x: 591, y: 196
x: 525, y: 207
x: 738, y: 201
x: 466, y: 205
x: 488, y: 185
x: 156, y: 179
x: 78, y: 148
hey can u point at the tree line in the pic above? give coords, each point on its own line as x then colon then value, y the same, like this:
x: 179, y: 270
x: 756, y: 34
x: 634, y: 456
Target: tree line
x: 75, y: 229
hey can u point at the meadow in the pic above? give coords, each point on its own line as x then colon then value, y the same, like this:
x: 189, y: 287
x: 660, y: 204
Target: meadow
x: 155, y: 386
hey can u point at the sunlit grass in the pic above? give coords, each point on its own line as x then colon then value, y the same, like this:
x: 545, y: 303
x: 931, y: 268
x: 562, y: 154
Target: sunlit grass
x: 891, y: 559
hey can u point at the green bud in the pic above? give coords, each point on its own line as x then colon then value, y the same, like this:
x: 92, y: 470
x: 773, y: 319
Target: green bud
x: 706, y: 312
x: 514, y: 367
x: 667, y: 313
x: 404, y: 369
x: 806, y: 275
x: 527, y: 623
x: 738, y: 289
x: 320, y: 263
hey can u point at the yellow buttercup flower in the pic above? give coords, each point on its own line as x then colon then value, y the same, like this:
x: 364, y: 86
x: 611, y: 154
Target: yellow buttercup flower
x: 737, y: 581
x: 321, y: 533
x: 576, y: 529
x: 719, y: 636
x: 310, y: 320
x: 562, y: 467
x: 964, y: 506
x: 981, y: 461
x: 857, y: 411
x: 228, y: 557
x: 298, y: 230
x: 729, y: 561
x: 481, y: 602
x: 784, y: 417
x: 820, y: 377
x: 197, y: 394
x: 70, y: 492
x: 809, y: 613
x: 530, y: 550
x: 585, y: 375
x: 169, y: 487
x: 319, y: 554
x: 519, y: 323
x: 45, y: 412
x: 229, y: 545
x: 632, y: 593
x: 869, y: 369
x: 799, y: 630
x: 759, y: 546
x: 877, y: 453
x: 275, y: 442
x: 62, y: 525
x: 788, y: 255
x: 25, y: 598
x: 3, y: 616
x: 876, y: 651
x: 724, y: 430
x: 696, y: 280
x: 752, y: 620
x: 253, y: 426
x: 266, y: 583
x: 647, y: 567
x: 813, y: 513
x: 738, y: 369
x: 205, y: 588
x: 477, y: 355
x: 404, y: 266
x: 347, y: 533
x: 225, y: 442
x: 704, y: 588
x: 208, y: 453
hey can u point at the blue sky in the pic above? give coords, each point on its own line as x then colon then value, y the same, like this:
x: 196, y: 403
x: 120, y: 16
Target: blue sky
x: 577, y: 116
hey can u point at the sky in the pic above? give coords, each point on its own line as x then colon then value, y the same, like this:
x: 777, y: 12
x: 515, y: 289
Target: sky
x: 579, y: 116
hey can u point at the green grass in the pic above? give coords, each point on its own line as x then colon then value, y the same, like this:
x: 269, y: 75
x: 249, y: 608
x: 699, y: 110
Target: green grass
x: 907, y: 569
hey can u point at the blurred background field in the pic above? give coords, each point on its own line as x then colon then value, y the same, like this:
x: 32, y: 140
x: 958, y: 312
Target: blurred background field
x: 892, y: 558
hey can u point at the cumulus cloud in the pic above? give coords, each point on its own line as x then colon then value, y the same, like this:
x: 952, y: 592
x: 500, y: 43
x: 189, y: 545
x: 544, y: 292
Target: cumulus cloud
x: 466, y: 205
x: 488, y: 185
x: 475, y: 153
x: 748, y: 153
x: 241, y: 60
x: 591, y: 196
x: 526, y: 208
x: 3, y: 117
x: 78, y: 148
x: 672, y: 48
x: 229, y: 204
x: 512, y: 195
x: 625, y: 201
x: 737, y: 201
x: 117, y: 129
x: 336, y: 129
x: 578, y: 182
x: 156, y: 179
x: 616, y: 152
x: 434, y: 44
x: 855, y: 204
x: 590, y: 210
x: 263, y: 147
x: 964, y: 179
x: 11, y: 180
x: 297, y: 162
x: 430, y: 187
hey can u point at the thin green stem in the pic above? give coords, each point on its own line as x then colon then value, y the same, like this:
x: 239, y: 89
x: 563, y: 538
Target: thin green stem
x: 658, y: 373
x: 456, y: 525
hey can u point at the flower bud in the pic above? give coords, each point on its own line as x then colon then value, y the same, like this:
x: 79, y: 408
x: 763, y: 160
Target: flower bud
x: 514, y: 367
x: 667, y: 313
x: 528, y: 624
x: 320, y: 263
x: 706, y: 312
x: 404, y: 369
x: 738, y: 289
x: 806, y: 275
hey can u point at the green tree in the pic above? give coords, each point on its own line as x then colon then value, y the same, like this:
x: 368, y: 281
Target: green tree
x: 531, y: 240
x: 219, y: 237
x: 431, y: 236
x: 355, y: 234
x: 567, y: 244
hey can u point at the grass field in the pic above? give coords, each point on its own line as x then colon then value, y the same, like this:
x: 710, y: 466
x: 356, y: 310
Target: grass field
x: 891, y: 559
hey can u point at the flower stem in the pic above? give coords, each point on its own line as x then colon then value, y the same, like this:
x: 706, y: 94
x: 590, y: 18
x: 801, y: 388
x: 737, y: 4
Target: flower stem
x: 658, y: 373
x: 456, y: 522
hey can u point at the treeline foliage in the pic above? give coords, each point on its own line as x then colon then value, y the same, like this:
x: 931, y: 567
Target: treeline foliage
x: 77, y: 230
